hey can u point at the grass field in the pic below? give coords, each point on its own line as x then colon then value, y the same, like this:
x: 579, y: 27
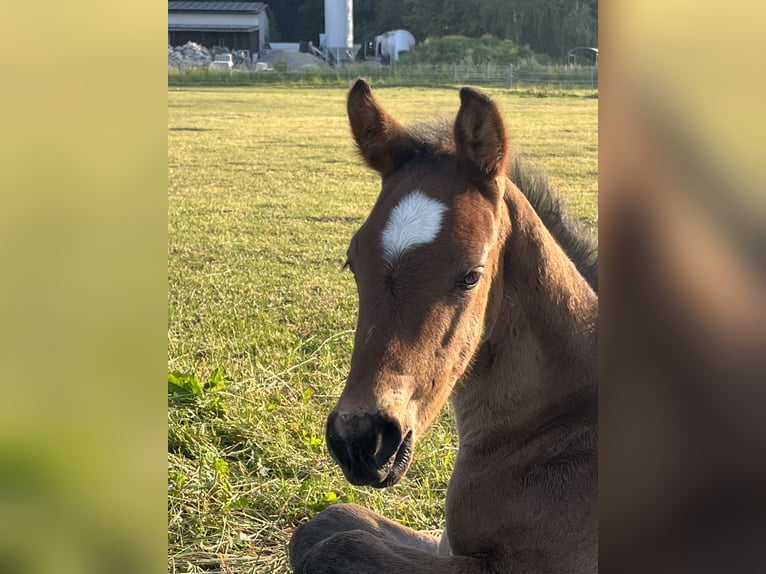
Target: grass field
x: 264, y: 192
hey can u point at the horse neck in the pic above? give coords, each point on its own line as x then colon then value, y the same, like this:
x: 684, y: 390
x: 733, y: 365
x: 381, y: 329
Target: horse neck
x: 538, y: 359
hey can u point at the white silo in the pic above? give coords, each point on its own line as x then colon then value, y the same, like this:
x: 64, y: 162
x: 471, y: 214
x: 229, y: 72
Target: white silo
x: 339, y: 30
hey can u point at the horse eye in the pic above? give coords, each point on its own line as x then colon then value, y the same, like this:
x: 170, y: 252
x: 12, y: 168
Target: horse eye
x: 470, y: 280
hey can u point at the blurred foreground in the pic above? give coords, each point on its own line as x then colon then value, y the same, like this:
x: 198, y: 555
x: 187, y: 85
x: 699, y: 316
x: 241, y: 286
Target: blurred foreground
x: 683, y: 291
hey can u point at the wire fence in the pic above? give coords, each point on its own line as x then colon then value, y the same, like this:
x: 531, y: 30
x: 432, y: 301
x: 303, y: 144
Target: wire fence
x: 582, y: 77
x: 491, y: 74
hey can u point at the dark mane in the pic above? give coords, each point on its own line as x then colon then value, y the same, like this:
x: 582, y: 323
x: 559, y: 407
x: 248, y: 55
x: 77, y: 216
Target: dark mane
x: 436, y: 138
x: 579, y: 244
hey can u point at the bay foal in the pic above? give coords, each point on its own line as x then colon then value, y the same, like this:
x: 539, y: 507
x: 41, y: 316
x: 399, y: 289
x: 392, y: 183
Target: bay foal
x: 465, y: 291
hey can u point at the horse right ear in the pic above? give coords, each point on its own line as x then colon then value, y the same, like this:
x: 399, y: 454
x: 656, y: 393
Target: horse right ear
x: 480, y: 140
x: 382, y: 141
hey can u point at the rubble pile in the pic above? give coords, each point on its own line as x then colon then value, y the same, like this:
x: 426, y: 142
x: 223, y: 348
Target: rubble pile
x: 193, y: 55
x: 190, y: 55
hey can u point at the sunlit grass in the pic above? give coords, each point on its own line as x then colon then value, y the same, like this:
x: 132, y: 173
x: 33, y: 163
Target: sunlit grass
x: 264, y: 191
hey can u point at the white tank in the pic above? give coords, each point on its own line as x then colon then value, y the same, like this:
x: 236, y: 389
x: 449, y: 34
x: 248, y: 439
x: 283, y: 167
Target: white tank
x: 339, y: 24
x: 391, y: 44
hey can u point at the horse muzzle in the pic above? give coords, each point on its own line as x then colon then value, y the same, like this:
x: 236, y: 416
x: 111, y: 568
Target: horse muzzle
x: 372, y: 450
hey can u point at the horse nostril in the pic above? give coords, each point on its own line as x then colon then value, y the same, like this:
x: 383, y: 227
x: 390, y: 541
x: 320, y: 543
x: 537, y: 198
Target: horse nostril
x: 367, y: 441
x: 334, y: 436
x: 388, y: 439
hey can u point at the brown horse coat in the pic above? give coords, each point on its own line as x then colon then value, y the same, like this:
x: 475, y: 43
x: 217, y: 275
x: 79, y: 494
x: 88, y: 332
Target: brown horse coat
x: 464, y: 293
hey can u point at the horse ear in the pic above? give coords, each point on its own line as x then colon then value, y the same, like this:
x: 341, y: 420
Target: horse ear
x: 480, y: 139
x: 382, y: 141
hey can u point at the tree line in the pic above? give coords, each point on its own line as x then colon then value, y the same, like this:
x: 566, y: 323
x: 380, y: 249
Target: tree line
x: 547, y: 26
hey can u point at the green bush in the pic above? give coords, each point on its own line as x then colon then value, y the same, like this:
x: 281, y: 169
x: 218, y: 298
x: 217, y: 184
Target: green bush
x: 471, y: 51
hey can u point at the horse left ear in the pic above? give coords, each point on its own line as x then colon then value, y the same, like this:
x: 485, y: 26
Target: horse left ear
x: 480, y: 139
x: 383, y: 143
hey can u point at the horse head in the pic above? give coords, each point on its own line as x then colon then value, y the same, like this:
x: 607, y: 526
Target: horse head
x: 427, y: 263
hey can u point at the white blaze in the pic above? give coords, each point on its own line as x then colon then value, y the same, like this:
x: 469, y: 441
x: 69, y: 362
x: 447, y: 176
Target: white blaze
x: 416, y: 220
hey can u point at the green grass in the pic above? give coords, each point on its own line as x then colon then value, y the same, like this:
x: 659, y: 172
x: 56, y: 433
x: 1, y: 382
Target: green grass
x: 264, y: 192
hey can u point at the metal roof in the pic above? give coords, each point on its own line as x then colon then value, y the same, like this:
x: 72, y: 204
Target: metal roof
x: 216, y: 7
x: 209, y: 28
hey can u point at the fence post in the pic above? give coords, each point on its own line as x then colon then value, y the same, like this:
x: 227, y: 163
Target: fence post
x: 510, y: 75
x: 454, y: 73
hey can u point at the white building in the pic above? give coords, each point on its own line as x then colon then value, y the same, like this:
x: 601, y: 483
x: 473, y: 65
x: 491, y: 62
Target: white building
x: 236, y: 25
